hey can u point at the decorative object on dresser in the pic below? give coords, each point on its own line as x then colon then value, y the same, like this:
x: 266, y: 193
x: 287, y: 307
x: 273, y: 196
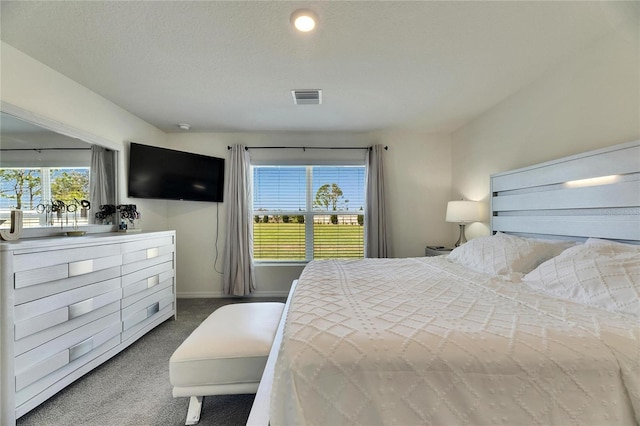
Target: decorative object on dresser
x: 62, y: 209
x: 128, y: 213
x: 16, y: 227
x: 463, y: 212
x: 105, y: 215
x: 436, y: 250
x: 68, y: 305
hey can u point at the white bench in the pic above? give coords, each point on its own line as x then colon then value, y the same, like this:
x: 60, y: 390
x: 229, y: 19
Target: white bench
x: 224, y: 355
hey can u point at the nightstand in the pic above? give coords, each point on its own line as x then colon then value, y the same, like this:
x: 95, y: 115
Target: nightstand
x: 436, y: 250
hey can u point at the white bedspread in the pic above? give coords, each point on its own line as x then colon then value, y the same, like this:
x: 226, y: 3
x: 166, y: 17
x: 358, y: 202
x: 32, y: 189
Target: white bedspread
x: 426, y: 341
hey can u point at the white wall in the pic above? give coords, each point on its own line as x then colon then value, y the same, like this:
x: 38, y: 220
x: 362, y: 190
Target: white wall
x: 591, y: 100
x: 418, y: 184
x: 418, y: 172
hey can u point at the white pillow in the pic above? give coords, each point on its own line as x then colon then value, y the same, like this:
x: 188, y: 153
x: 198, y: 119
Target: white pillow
x: 503, y: 254
x: 598, y: 273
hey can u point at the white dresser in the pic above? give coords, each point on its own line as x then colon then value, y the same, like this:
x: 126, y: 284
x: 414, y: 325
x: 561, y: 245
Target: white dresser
x: 70, y: 303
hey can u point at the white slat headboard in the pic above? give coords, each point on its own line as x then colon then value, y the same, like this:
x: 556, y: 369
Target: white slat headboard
x: 593, y: 194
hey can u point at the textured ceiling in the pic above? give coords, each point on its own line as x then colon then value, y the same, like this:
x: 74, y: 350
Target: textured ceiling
x: 230, y: 66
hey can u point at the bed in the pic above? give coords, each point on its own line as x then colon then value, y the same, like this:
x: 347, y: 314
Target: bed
x: 538, y: 323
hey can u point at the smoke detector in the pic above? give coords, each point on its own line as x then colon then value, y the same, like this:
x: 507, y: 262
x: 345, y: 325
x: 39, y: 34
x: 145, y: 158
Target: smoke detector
x: 307, y: 96
x: 184, y: 126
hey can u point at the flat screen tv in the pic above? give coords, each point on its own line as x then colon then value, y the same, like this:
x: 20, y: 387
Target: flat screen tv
x: 174, y: 175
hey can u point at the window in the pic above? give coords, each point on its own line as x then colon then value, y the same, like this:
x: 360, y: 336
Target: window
x: 308, y: 212
x: 27, y: 187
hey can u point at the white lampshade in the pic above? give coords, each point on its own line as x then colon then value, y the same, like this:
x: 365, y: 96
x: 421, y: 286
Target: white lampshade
x: 463, y: 211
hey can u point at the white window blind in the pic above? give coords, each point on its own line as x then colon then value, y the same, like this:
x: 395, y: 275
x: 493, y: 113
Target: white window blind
x: 308, y: 212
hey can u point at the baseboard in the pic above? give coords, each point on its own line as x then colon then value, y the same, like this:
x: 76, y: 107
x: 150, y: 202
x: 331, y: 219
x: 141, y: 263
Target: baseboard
x: 198, y: 294
x: 218, y: 294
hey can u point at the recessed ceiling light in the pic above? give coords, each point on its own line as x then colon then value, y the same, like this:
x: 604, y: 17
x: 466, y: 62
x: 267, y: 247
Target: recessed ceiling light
x: 184, y: 126
x: 304, y: 20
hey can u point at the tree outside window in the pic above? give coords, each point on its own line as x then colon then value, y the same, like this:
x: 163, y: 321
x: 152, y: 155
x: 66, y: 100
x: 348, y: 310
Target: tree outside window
x: 70, y: 185
x: 20, y: 186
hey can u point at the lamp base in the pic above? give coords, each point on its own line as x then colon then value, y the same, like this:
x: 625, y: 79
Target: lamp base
x: 461, y: 239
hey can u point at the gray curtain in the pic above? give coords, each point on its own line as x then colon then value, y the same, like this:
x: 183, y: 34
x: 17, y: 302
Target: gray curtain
x: 102, y: 179
x: 239, y: 275
x: 376, y: 243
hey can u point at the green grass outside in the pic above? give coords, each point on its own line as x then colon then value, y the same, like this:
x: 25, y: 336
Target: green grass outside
x: 285, y: 241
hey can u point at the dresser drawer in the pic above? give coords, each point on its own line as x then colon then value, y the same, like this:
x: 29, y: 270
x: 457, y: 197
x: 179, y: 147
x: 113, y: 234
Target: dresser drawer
x: 33, y: 292
x: 64, y: 270
x: 58, y: 316
x: 146, y: 254
x: 33, y: 390
x: 43, y: 259
x: 140, y: 289
x: 146, y: 308
x: 129, y: 249
x: 145, y: 274
x: 68, y: 299
x: 53, y: 355
x: 37, y: 339
x: 147, y: 263
x: 163, y: 311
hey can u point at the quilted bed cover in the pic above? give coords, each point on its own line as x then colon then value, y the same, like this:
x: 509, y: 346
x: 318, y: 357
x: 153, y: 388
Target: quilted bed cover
x: 427, y: 341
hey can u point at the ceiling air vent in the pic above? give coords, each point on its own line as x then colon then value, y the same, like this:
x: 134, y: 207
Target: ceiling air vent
x: 307, y: 97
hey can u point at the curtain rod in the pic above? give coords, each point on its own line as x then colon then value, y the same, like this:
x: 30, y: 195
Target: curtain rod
x: 45, y: 149
x: 304, y: 148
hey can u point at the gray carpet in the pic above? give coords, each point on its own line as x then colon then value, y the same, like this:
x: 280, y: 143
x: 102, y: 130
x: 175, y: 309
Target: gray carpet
x: 133, y: 387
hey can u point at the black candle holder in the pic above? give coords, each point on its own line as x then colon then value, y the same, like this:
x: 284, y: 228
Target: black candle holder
x: 129, y: 212
x: 106, y: 212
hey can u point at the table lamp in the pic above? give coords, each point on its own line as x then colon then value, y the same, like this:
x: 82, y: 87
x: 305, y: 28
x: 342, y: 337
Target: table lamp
x: 463, y: 212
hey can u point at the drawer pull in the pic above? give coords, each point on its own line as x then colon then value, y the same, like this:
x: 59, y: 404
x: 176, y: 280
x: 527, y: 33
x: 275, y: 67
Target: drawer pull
x: 153, y: 281
x: 80, y: 308
x: 152, y: 252
x: 76, y: 351
x: 153, y: 309
x: 80, y: 268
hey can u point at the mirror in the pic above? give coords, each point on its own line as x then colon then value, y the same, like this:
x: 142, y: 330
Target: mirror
x: 58, y: 181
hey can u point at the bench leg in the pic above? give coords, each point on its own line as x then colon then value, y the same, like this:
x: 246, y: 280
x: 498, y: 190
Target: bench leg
x: 193, y: 413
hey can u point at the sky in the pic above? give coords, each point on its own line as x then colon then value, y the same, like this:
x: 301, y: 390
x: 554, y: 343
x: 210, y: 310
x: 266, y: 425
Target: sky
x: 283, y: 188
